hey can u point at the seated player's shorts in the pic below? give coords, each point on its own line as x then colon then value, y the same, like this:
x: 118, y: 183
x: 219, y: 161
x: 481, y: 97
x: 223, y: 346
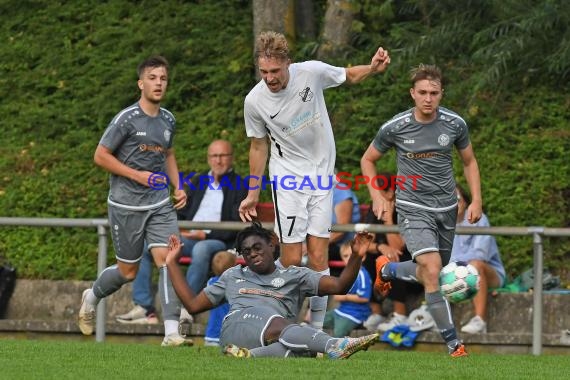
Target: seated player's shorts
x: 130, y: 228
x: 427, y: 230
x: 298, y: 214
x: 246, y: 327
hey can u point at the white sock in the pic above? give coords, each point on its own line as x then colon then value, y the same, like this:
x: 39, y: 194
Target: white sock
x: 170, y: 327
x: 318, y: 307
x: 91, y: 299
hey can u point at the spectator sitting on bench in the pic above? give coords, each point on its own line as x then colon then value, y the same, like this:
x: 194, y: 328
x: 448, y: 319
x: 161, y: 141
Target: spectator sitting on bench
x: 354, y: 306
x: 215, y: 197
x: 345, y: 211
x: 482, y: 252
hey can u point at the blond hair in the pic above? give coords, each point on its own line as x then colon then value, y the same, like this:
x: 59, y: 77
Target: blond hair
x: 271, y: 44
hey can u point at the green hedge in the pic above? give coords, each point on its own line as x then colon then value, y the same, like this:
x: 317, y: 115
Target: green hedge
x: 69, y: 67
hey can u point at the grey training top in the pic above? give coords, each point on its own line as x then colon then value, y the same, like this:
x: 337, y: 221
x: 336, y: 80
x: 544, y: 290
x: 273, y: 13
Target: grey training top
x: 140, y: 142
x: 424, y: 151
x: 283, y: 290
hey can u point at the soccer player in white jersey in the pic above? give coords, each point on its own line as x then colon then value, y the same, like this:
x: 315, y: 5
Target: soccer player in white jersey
x: 136, y: 146
x: 265, y: 300
x: 286, y: 110
x: 424, y: 137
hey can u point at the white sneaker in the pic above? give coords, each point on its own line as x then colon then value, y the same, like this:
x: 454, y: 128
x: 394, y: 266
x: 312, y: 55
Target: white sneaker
x: 185, y: 323
x: 397, y: 319
x: 371, y: 324
x: 175, y: 340
x: 475, y: 326
x: 137, y: 315
x: 86, y: 319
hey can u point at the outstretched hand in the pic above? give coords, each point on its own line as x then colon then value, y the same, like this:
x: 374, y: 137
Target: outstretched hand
x: 360, y: 242
x: 174, y: 249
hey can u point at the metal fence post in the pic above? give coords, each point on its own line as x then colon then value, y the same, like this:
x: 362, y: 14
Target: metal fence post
x: 101, y: 265
x: 537, y: 291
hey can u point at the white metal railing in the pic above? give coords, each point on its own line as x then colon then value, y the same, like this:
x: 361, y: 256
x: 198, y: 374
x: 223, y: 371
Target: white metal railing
x: 102, y: 225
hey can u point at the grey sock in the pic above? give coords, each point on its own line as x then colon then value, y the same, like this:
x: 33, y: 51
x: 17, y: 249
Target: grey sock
x: 439, y: 309
x: 168, y: 299
x: 274, y: 350
x: 108, y: 282
x: 305, y: 338
x: 405, y: 271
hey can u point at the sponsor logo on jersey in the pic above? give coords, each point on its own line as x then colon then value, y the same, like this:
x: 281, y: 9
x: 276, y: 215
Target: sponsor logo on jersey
x: 140, y: 133
x: 410, y: 141
x: 422, y: 155
x: 151, y: 148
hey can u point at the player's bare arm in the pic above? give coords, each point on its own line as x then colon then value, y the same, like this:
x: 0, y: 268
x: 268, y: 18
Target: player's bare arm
x: 378, y: 64
x: 330, y: 285
x: 104, y: 158
x: 194, y: 304
x: 368, y: 167
x: 172, y: 171
x: 258, y: 154
x: 471, y: 172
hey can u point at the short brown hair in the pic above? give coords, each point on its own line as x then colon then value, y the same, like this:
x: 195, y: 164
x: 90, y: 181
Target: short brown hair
x: 271, y: 45
x: 152, y: 62
x: 429, y: 72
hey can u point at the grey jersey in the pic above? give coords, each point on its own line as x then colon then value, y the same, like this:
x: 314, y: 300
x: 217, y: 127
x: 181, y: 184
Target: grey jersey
x: 424, y: 151
x: 283, y: 290
x: 140, y: 142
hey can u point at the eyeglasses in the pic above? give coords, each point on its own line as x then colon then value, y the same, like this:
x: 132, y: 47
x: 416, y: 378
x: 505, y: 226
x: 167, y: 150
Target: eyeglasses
x: 220, y: 155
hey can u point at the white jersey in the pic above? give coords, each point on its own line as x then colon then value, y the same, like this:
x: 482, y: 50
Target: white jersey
x: 298, y: 124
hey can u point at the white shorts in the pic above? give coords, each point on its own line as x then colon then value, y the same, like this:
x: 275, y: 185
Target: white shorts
x: 298, y: 214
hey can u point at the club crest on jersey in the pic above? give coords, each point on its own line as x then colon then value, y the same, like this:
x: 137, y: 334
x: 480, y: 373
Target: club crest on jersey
x: 306, y: 95
x: 167, y: 135
x: 277, y: 282
x: 443, y: 139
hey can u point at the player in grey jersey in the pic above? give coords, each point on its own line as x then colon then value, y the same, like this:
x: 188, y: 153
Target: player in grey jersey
x: 265, y: 300
x: 136, y: 144
x: 426, y: 201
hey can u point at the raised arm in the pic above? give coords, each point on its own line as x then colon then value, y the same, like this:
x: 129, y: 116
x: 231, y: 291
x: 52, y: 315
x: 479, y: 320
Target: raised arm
x: 378, y: 64
x: 330, y: 285
x: 194, y: 304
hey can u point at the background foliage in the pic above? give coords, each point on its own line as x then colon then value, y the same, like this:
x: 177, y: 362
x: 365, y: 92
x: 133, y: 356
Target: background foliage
x: 69, y: 66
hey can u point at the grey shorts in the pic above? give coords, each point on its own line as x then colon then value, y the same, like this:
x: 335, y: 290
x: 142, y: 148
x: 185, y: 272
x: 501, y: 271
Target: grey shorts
x: 130, y: 229
x: 246, y: 327
x: 427, y: 231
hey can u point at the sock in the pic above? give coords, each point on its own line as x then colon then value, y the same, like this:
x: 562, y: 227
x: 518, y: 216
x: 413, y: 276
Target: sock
x: 305, y: 338
x: 274, y: 350
x: 318, y: 307
x: 405, y: 271
x: 108, y: 282
x: 170, y: 327
x: 168, y: 301
x: 439, y: 309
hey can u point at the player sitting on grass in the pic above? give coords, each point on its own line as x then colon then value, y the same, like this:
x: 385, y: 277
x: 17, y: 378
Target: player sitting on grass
x: 265, y: 301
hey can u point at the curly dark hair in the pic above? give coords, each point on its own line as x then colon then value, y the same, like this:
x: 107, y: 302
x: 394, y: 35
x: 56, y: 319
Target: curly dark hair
x: 255, y: 229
